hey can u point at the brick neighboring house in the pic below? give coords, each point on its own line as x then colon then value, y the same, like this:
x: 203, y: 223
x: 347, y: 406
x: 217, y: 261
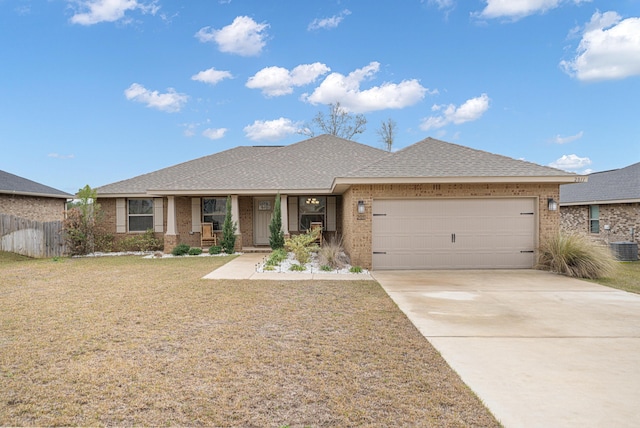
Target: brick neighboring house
x: 30, y: 200
x: 431, y: 205
x: 606, y: 207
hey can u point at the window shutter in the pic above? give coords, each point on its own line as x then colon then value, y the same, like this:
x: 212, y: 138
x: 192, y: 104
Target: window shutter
x: 331, y: 213
x: 293, y: 213
x: 121, y: 215
x: 158, y: 215
x: 196, y: 215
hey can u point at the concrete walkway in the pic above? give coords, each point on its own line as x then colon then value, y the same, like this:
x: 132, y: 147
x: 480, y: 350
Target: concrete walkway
x: 244, y: 267
x: 540, y: 350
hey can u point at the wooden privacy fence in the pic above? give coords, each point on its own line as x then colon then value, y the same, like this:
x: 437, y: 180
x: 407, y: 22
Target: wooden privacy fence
x: 31, y: 238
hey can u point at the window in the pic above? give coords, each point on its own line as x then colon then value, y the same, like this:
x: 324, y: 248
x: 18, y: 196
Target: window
x: 214, y: 211
x: 140, y: 213
x: 594, y: 219
x: 311, y: 209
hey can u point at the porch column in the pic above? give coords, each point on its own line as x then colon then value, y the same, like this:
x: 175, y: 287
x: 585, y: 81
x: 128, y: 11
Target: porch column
x: 284, y: 213
x: 235, y: 213
x: 171, y: 236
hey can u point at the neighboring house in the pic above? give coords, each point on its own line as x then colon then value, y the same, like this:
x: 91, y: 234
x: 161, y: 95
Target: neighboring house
x: 30, y: 200
x: 606, y: 207
x: 31, y: 216
x: 431, y: 205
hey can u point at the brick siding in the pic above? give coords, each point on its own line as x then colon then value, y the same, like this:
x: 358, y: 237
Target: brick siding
x: 357, y: 227
x: 33, y: 207
x: 619, y: 217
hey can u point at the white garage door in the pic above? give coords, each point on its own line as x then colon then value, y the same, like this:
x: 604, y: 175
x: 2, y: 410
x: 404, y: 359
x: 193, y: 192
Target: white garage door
x: 454, y: 233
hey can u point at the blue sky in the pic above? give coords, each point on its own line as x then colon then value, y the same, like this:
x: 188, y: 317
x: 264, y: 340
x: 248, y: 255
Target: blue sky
x: 96, y: 91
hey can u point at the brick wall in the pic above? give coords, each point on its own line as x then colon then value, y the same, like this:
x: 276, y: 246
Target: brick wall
x: 33, y: 207
x: 357, y: 227
x: 619, y: 217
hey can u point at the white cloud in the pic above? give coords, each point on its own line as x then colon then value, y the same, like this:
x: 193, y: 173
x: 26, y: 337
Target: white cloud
x: 516, y: 9
x: 277, y: 81
x: 96, y: 11
x: 214, y: 133
x: 471, y: 110
x: 564, y: 140
x: 346, y: 90
x: 327, y: 23
x: 171, y: 101
x: 271, y: 130
x: 571, y: 163
x: 211, y: 76
x: 243, y: 36
x: 609, y: 49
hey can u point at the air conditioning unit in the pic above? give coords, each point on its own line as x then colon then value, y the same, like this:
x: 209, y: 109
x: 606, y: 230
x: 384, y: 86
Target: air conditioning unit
x: 625, y: 251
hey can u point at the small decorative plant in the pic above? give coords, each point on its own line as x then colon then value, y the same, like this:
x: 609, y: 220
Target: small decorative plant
x: 195, y: 251
x: 297, y: 268
x: 355, y: 269
x: 215, y: 249
x: 302, y: 245
x: 180, y: 250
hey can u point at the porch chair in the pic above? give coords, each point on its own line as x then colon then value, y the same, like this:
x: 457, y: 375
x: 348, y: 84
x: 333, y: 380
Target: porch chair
x: 207, y: 237
x: 317, y: 225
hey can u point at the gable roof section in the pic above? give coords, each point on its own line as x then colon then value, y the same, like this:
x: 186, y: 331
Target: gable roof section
x: 141, y: 184
x: 14, y: 185
x: 309, y: 165
x: 616, y: 186
x: 438, y: 161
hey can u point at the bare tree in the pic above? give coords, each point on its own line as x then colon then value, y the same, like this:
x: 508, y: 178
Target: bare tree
x: 387, y: 133
x: 338, y: 122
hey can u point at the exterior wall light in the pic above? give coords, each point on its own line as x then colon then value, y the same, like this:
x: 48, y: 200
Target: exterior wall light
x: 361, y: 207
x: 552, y: 204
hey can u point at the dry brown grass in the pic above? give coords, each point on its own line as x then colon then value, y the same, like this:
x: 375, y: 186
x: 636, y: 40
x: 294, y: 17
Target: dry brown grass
x: 132, y: 341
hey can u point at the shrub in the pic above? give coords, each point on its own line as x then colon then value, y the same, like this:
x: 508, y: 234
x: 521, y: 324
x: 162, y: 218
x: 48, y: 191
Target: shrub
x: 297, y: 268
x: 276, y: 235
x: 229, y: 230
x: 276, y: 257
x: 355, y: 269
x: 332, y: 254
x: 215, y: 249
x: 195, y: 251
x: 82, y: 222
x: 302, y: 245
x: 326, y: 268
x: 180, y: 250
x: 577, y: 256
x: 145, y: 242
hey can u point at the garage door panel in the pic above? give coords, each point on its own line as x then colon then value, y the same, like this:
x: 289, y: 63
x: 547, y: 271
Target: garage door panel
x: 453, y: 233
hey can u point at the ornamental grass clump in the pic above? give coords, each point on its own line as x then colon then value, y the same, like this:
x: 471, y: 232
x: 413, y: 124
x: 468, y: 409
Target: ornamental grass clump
x: 576, y: 256
x: 332, y: 254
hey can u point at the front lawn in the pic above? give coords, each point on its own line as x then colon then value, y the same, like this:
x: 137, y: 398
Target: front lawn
x: 627, y: 277
x: 133, y: 341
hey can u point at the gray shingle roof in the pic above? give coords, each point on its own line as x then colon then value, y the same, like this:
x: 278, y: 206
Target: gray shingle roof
x: 196, y: 167
x: 616, y: 185
x: 435, y: 158
x: 309, y: 164
x: 13, y: 184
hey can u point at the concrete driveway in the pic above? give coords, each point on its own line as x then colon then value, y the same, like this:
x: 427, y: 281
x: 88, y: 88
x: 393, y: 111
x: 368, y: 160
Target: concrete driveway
x: 540, y: 350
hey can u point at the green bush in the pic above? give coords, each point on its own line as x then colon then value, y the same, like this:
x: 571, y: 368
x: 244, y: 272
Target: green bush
x: 297, y: 268
x: 215, y: 249
x: 195, y: 251
x: 355, y: 269
x: 576, y: 256
x: 276, y: 257
x: 332, y: 254
x: 276, y: 235
x: 180, y: 250
x: 302, y: 245
x: 229, y: 228
x: 326, y: 268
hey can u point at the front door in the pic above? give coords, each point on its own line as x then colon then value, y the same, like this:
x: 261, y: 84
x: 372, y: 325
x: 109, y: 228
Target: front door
x: 262, y: 212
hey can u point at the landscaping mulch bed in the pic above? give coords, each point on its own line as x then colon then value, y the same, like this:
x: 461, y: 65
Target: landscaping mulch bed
x: 132, y: 341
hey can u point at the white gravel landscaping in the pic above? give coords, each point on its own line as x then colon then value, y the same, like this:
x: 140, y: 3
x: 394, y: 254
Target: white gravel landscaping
x: 312, y: 267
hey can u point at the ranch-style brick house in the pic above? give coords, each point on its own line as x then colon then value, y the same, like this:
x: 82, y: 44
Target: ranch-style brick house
x: 606, y: 207
x: 432, y: 205
x: 27, y: 199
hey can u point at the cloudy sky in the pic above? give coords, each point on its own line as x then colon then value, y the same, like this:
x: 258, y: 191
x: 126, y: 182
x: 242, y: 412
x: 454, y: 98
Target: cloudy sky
x: 96, y: 91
